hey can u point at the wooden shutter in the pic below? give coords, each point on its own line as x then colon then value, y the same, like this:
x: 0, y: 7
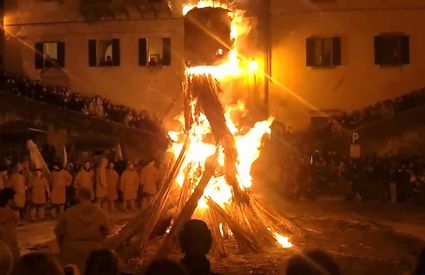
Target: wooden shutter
x: 379, y: 44
x: 116, y: 52
x: 166, y: 51
x: 61, y: 54
x: 92, y: 53
x: 310, y: 60
x: 39, y: 55
x: 405, y: 49
x: 336, y: 51
x: 143, y: 52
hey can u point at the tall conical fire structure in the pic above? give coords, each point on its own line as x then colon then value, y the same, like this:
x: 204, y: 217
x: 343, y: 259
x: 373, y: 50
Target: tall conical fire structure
x: 209, y: 176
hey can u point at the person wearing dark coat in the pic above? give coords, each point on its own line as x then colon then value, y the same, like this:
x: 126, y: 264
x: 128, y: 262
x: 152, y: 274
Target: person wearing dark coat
x: 9, y: 221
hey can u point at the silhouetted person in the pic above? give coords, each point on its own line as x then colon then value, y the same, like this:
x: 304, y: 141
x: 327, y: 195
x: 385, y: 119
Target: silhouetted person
x: 113, y: 182
x: 60, y: 179
x: 40, y: 194
x: 165, y: 267
x: 102, y: 262
x: 3, y: 177
x: 18, y: 183
x: 85, y: 178
x: 9, y: 221
x: 314, y: 262
x: 152, y: 62
x: 101, y: 182
x: 130, y: 186
x: 149, y: 179
x: 195, y: 242
x: 48, y: 62
x: 6, y: 258
x: 80, y: 230
x: 420, y: 264
x: 37, y: 264
x: 108, y: 61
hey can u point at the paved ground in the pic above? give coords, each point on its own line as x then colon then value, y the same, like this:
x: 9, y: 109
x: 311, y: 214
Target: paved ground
x: 365, y: 238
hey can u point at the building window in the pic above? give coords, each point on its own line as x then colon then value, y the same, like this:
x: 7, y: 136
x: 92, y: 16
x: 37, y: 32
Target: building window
x: 49, y: 55
x: 323, y: 52
x: 154, y: 51
x: 104, y: 53
x: 392, y: 50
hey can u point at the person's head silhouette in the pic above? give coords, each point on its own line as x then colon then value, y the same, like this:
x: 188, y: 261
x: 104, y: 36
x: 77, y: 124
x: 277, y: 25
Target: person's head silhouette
x: 102, y: 262
x: 195, y: 238
x: 195, y: 242
x: 420, y: 264
x: 37, y: 264
x: 165, y: 267
x: 314, y: 262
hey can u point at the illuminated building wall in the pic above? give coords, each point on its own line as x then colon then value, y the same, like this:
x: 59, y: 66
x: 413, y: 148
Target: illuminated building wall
x: 144, y: 45
x: 351, y: 75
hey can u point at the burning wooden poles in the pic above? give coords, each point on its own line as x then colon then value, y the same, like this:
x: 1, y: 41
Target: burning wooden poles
x: 252, y: 225
x: 206, y: 90
x: 187, y: 211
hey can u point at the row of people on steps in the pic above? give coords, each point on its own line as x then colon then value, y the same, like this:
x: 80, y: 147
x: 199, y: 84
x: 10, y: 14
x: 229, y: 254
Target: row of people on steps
x: 63, y: 97
x: 36, y: 189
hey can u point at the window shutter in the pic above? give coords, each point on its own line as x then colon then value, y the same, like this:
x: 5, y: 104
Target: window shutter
x: 61, y: 54
x: 116, y: 52
x: 39, y: 55
x: 143, y: 52
x: 92, y: 53
x: 336, y: 51
x: 166, y: 48
x: 310, y: 60
x: 405, y: 49
x: 379, y: 44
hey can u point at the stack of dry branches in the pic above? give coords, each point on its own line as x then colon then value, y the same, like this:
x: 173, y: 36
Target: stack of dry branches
x: 251, y: 223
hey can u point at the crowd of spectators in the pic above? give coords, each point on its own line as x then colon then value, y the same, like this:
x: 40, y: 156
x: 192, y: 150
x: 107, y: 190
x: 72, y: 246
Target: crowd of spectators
x: 381, y: 110
x: 392, y: 178
x: 62, y: 97
x: 195, y: 243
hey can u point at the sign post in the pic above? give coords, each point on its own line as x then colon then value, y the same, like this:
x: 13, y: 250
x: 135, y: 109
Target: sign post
x: 355, y: 150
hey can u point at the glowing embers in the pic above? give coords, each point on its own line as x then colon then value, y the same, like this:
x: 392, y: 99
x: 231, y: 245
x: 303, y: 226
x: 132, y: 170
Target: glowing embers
x: 283, y: 241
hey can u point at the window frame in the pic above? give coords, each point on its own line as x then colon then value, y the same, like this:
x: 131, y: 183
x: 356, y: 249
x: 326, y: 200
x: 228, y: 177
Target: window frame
x: 143, y: 48
x: 40, y: 58
x: 93, y: 53
x: 335, y: 52
x: 403, y: 48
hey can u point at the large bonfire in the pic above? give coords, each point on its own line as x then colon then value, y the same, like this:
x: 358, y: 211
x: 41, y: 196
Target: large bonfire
x: 209, y: 176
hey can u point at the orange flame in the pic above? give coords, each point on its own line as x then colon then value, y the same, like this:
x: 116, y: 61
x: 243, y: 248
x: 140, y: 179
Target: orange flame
x: 204, y: 4
x: 202, y: 146
x: 283, y: 241
x: 248, y: 146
